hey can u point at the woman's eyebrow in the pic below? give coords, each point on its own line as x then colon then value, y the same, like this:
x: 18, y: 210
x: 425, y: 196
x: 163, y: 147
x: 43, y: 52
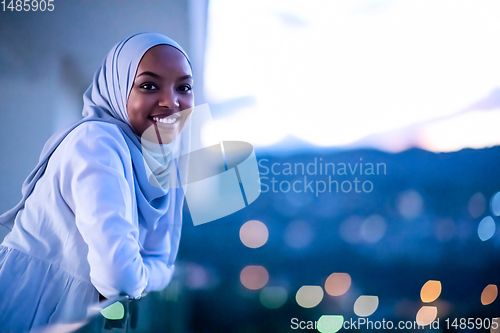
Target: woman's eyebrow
x: 150, y: 74
x: 185, y: 77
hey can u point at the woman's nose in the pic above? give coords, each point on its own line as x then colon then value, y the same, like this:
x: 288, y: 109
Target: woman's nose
x: 169, y: 100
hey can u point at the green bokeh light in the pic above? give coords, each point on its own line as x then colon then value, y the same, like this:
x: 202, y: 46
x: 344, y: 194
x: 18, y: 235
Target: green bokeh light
x: 114, y: 312
x: 273, y: 297
x: 330, y: 324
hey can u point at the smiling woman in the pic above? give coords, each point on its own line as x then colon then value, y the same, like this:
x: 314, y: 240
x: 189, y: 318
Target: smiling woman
x: 90, y: 225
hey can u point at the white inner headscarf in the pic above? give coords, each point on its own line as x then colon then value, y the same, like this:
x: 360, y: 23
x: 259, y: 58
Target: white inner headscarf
x: 106, y: 100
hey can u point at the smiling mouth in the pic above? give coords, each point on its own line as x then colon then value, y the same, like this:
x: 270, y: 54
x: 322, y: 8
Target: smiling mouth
x: 172, y: 119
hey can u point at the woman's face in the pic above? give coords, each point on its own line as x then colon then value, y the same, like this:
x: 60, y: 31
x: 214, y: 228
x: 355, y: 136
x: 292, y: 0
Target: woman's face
x: 162, y: 92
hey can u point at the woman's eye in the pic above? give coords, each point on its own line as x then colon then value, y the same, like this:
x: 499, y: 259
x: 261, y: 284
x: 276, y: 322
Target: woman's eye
x: 148, y: 86
x: 185, y: 88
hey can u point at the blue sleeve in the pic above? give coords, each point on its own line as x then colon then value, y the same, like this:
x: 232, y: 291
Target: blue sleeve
x: 97, y: 183
x: 159, y: 252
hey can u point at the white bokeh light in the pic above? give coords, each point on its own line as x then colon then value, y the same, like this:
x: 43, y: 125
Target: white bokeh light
x: 309, y: 296
x: 486, y: 228
x: 495, y: 204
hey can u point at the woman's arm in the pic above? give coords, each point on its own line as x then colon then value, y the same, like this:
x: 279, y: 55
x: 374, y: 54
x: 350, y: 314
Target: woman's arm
x: 160, y: 250
x: 97, y: 183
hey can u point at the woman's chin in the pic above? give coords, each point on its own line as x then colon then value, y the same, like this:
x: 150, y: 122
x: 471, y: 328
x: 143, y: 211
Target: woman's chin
x: 164, y: 134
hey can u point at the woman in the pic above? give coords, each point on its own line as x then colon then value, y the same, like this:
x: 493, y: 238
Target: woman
x: 92, y: 223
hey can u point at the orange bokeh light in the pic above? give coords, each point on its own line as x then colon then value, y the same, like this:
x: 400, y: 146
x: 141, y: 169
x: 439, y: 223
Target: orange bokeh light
x: 489, y: 294
x: 254, y: 277
x: 426, y: 315
x: 338, y: 284
x: 430, y: 291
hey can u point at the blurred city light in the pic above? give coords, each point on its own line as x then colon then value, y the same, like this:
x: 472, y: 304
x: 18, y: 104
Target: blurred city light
x: 337, y: 284
x: 410, y: 204
x: 373, y: 228
x: 426, y: 315
x: 254, y: 277
x: 114, y: 312
x: 273, y: 297
x: 486, y: 228
x: 430, y: 291
x: 198, y: 277
x: 365, y: 305
x: 254, y: 234
x: 330, y: 324
x: 477, y: 205
x: 489, y: 294
x: 495, y: 204
x: 309, y: 296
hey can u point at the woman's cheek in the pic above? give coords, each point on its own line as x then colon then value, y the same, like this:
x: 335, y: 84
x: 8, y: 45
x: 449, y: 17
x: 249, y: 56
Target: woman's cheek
x: 187, y: 101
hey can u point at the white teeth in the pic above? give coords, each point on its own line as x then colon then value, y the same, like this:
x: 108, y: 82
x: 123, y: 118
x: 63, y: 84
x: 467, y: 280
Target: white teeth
x: 165, y: 120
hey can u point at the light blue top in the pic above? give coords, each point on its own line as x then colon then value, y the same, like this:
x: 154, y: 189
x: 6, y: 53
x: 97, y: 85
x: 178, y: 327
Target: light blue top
x: 89, y: 221
x: 82, y: 217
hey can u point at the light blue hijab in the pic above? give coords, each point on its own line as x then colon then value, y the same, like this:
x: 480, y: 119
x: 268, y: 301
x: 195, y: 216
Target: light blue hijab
x: 106, y: 100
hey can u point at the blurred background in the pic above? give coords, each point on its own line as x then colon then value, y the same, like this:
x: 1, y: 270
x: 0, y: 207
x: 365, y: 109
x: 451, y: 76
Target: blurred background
x: 393, y: 105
